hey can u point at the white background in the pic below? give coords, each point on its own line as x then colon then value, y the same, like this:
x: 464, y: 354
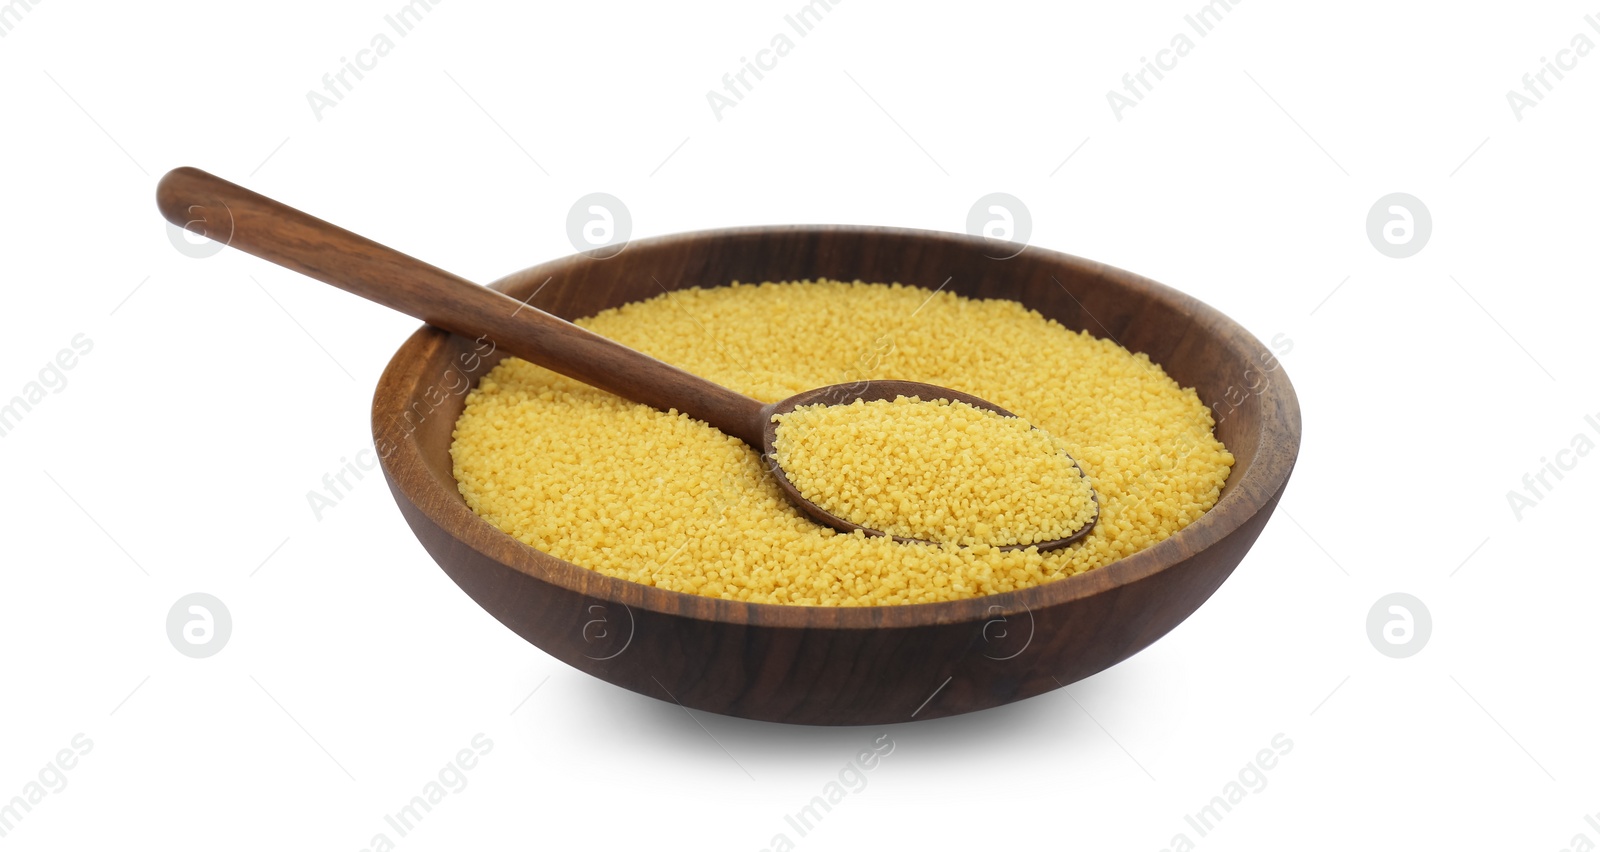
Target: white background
x: 219, y: 391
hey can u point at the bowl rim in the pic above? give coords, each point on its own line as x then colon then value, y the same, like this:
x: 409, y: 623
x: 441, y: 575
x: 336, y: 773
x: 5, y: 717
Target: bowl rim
x: 412, y: 481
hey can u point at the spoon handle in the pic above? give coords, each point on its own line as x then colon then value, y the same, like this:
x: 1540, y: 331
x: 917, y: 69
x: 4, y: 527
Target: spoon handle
x: 229, y: 213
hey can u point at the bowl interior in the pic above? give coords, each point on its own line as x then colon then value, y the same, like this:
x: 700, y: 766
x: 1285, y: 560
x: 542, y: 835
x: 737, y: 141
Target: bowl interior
x: 1233, y: 373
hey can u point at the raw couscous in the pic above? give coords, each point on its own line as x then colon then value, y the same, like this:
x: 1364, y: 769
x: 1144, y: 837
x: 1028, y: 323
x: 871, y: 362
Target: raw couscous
x: 662, y: 499
x: 934, y: 470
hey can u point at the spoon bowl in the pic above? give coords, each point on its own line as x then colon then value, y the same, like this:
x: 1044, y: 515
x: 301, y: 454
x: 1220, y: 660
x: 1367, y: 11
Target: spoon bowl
x: 207, y: 205
x: 870, y: 391
x: 837, y: 665
x: 874, y: 665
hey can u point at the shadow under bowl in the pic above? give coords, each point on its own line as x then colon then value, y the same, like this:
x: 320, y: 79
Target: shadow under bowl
x: 848, y: 665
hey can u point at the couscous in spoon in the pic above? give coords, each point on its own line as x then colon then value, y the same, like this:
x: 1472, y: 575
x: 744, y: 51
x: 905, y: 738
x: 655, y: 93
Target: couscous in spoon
x: 213, y: 207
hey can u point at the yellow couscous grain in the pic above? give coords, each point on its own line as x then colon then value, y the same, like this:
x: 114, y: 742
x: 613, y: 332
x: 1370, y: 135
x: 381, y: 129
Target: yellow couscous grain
x: 934, y: 470
x: 668, y: 501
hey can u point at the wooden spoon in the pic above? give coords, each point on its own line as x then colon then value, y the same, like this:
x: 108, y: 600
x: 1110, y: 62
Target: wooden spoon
x: 206, y: 204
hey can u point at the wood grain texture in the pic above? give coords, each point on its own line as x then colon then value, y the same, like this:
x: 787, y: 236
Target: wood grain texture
x: 848, y: 666
x: 251, y: 222
x: 274, y: 231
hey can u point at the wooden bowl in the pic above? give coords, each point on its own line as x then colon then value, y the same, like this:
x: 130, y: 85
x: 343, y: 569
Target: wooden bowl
x: 848, y: 665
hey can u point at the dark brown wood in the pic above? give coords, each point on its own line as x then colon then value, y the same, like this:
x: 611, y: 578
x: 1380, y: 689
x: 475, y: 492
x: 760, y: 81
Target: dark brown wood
x: 208, y: 205
x: 850, y: 665
x: 875, y: 390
